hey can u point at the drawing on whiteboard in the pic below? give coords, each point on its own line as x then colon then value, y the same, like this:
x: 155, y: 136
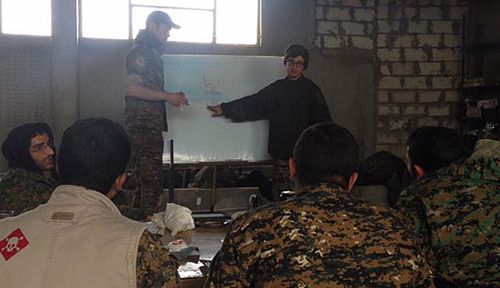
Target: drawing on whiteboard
x: 211, y: 86
x: 209, y: 80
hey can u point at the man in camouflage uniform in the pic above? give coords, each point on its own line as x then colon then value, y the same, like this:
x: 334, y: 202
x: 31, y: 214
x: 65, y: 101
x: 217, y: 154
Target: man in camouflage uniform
x: 30, y: 179
x: 79, y: 236
x: 322, y: 237
x: 144, y: 114
x: 455, y: 209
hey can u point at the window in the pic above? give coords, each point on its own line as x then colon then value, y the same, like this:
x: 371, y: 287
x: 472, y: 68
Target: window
x: 105, y: 19
x: 26, y: 17
x: 201, y: 21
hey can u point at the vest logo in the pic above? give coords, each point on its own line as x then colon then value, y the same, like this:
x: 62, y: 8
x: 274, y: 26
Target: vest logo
x: 15, y: 242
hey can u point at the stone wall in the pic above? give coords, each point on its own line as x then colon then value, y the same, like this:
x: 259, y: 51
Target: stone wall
x: 416, y: 47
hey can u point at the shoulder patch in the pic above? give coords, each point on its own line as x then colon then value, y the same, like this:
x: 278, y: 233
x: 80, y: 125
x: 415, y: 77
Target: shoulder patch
x: 12, y: 244
x: 139, y: 61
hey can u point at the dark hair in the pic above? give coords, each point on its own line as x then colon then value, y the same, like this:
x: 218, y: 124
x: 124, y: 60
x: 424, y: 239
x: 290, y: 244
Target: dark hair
x: 379, y: 167
x: 295, y: 50
x: 16, y: 146
x: 323, y: 152
x: 385, y: 168
x: 432, y: 147
x: 93, y: 153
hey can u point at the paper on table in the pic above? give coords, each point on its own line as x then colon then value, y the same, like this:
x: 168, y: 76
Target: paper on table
x: 190, y: 270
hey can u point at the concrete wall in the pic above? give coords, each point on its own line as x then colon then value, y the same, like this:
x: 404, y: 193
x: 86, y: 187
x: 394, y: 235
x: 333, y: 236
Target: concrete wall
x: 25, y: 83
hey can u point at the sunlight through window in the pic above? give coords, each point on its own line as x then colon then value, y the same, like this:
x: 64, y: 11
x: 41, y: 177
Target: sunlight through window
x: 105, y: 19
x: 201, y: 21
x: 26, y: 17
x: 237, y: 21
x: 196, y: 25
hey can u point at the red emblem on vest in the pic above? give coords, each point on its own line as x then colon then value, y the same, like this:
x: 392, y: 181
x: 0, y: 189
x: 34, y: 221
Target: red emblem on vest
x: 15, y: 242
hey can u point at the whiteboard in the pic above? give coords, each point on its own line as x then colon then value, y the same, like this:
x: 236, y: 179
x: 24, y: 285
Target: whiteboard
x: 209, y: 80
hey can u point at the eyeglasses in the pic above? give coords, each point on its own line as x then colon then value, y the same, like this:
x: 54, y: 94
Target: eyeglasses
x: 291, y: 63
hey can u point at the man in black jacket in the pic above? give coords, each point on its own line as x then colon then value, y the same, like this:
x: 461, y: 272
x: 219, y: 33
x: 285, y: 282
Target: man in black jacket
x: 291, y: 105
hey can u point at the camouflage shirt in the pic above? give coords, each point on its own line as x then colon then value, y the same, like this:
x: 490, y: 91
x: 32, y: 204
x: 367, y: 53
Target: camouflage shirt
x: 320, y: 238
x: 145, y: 67
x: 456, y: 215
x: 155, y: 266
x: 22, y: 190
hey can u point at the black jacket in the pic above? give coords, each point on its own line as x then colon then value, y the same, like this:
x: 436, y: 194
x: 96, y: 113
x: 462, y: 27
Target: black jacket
x: 290, y: 107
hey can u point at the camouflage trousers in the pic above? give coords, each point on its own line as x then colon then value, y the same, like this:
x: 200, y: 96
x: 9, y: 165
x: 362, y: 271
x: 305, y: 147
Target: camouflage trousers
x: 281, y: 178
x: 146, y: 162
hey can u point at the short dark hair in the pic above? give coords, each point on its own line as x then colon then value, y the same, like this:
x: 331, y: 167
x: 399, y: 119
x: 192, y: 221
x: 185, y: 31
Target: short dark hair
x: 380, y: 167
x: 323, y: 152
x: 16, y: 146
x: 432, y: 147
x: 385, y: 168
x: 93, y: 153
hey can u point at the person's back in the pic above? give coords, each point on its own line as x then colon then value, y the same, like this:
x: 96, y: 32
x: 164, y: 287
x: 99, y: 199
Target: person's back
x: 322, y: 237
x: 455, y: 211
x: 79, y: 238
x: 29, y: 180
x: 87, y: 238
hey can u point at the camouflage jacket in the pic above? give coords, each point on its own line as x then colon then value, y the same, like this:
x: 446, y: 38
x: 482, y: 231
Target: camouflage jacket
x: 156, y: 268
x: 456, y: 217
x: 145, y: 67
x: 22, y: 190
x: 320, y: 238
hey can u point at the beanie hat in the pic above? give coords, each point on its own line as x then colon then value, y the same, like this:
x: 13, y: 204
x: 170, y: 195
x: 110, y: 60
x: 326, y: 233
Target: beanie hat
x: 16, y: 146
x: 295, y: 50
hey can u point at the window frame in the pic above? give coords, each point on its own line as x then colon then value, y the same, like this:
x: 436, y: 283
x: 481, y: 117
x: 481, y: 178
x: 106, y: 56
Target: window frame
x: 214, y: 24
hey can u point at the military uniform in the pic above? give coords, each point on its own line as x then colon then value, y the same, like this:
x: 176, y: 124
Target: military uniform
x: 320, y: 238
x: 456, y: 217
x: 145, y: 120
x: 155, y: 266
x: 22, y: 190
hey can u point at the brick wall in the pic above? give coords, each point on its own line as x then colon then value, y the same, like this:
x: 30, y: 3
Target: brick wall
x: 416, y: 45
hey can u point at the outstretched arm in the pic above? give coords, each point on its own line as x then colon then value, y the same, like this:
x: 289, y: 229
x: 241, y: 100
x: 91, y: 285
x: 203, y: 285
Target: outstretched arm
x: 139, y: 91
x: 215, y: 109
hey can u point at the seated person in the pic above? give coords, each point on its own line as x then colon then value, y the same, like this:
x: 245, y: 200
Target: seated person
x: 321, y: 237
x: 31, y: 177
x: 454, y: 207
x: 79, y: 236
x: 382, y: 177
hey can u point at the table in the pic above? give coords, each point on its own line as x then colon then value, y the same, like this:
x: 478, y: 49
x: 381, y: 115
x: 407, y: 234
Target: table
x: 208, y: 240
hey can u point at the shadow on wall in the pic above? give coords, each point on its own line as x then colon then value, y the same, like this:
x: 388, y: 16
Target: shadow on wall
x: 346, y: 79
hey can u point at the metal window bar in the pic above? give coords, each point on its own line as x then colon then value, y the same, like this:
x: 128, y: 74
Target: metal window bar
x: 131, y: 6
x: 214, y: 20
